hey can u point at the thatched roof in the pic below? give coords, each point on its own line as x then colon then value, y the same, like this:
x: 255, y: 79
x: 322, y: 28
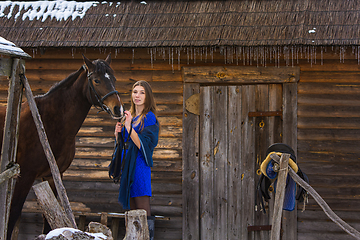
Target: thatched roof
x: 183, y: 23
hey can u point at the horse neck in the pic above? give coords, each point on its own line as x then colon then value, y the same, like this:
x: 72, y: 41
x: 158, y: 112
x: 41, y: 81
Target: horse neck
x: 68, y: 106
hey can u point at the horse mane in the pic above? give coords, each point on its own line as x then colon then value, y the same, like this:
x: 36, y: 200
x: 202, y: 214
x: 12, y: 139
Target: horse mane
x: 68, y: 81
x: 101, y: 67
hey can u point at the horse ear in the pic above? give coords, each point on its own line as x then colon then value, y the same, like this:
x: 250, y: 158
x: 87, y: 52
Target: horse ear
x: 108, y: 59
x: 88, y: 63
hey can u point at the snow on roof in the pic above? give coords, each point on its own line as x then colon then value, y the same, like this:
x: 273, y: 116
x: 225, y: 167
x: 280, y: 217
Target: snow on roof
x: 9, y: 48
x: 60, y: 10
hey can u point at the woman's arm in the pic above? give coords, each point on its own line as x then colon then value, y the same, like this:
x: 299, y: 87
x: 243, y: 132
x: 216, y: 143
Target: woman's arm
x: 134, y: 136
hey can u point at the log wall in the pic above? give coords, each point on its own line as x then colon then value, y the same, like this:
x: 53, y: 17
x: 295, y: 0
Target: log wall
x: 328, y: 134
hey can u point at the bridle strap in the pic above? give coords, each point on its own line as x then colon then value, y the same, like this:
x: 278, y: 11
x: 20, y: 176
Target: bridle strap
x: 98, y: 98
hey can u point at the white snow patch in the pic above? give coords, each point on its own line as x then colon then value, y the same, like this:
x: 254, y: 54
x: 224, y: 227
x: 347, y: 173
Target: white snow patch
x: 60, y: 10
x: 61, y: 231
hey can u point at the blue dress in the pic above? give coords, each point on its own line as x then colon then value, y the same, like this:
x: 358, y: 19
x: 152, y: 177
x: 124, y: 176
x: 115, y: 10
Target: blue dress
x: 135, y: 179
x: 142, y: 176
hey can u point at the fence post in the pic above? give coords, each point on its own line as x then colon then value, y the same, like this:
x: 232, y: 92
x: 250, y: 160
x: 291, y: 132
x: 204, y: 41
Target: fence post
x: 9, y: 143
x: 279, y: 196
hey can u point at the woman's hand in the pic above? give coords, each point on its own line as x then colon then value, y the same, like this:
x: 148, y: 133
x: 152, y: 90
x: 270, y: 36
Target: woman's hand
x: 128, y: 119
x: 118, y: 128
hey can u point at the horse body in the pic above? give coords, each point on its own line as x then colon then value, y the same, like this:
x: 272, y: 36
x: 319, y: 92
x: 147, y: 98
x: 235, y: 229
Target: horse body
x: 63, y: 110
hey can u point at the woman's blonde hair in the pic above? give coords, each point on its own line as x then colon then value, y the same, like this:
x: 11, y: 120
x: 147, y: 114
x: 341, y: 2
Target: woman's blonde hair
x: 149, y: 104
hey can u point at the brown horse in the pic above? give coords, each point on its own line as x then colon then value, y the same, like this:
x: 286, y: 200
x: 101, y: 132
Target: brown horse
x: 63, y: 110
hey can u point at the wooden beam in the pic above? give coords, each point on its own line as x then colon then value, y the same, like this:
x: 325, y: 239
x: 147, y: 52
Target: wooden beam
x: 336, y: 219
x: 48, y: 152
x: 279, y: 197
x: 5, y: 66
x: 9, y: 146
x: 52, y: 210
x: 240, y: 75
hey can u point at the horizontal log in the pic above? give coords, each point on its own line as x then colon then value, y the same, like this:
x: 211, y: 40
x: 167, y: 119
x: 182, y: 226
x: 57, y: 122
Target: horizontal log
x: 170, y: 165
x: 323, y: 227
x: 328, y: 111
x: 336, y: 182
x: 328, y: 123
x: 328, y: 88
x: 171, y: 143
x: 333, y: 147
x: 330, y: 169
x: 329, y: 77
x: 326, y: 157
x: 324, y: 235
x: 348, y: 216
x: 87, y: 152
x: 329, y: 99
x: 329, y: 134
x: 240, y: 75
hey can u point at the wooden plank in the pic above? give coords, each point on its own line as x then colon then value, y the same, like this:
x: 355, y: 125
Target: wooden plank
x: 329, y: 111
x: 290, y: 137
x: 235, y: 229
x: 207, y: 167
x: 247, y: 161
x: 328, y: 123
x: 329, y: 147
x: 191, y: 171
x: 329, y: 99
x: 221, y: 166
x: 329, y: 134
x: 5, y: 66
x: 262, y: 131
x: 52, y: 210
x: 279, y: 197
x: 234, y: 74
x: 9, y: 142
x: 329, y: 77
x: 329, y: 88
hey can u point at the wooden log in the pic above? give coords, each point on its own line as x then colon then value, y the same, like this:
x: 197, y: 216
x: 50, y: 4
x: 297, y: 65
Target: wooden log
x: 48, y: 152
x: 9, y: 173
x: 234, y: 74
x: 336, y: 219
x: 52, y: 210
x: 136, y: 225
x: 279, y: 197
x: 9, y: 140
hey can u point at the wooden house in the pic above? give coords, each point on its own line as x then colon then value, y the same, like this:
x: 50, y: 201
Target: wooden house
x: 230, y: 78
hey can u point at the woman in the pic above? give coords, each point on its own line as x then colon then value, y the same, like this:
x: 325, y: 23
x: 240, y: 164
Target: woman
x: 137, y: 150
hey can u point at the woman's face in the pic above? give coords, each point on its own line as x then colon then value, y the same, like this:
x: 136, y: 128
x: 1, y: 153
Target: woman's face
x: 138, y: 95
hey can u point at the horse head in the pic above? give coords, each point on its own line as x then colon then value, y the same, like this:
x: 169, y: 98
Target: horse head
x: 101, y: 87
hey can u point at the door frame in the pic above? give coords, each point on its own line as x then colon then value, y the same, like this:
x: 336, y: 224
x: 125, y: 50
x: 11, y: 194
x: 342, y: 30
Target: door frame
x: 193, y: 77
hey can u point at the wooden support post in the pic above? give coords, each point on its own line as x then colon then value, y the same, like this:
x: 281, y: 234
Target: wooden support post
x: 279, y: 197
x: 52, y: 210
x: 115, y: 227
x: 9, y: 146
x: 48, y: 152
x: 136, y: 225
x: 336, y: 219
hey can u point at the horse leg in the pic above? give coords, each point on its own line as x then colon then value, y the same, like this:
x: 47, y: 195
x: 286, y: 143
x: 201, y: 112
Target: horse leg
x: 21, y: 190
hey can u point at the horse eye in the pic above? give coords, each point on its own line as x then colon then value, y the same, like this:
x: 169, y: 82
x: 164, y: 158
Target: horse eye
x: 97, y: 81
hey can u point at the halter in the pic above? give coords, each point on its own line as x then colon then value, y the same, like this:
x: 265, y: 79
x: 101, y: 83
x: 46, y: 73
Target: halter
x: 99, y: 99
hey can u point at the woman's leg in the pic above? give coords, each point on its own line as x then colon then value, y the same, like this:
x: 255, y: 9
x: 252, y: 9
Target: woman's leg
x: 142, y: 202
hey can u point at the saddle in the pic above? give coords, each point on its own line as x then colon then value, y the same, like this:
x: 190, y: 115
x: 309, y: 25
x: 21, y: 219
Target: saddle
x: 268, y: 177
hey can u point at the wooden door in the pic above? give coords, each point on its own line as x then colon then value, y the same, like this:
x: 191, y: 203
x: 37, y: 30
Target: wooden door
x: 224, y: 141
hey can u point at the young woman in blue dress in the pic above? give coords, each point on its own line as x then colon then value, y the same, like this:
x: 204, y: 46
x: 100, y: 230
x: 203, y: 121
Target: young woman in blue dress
x: 142, y: 124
